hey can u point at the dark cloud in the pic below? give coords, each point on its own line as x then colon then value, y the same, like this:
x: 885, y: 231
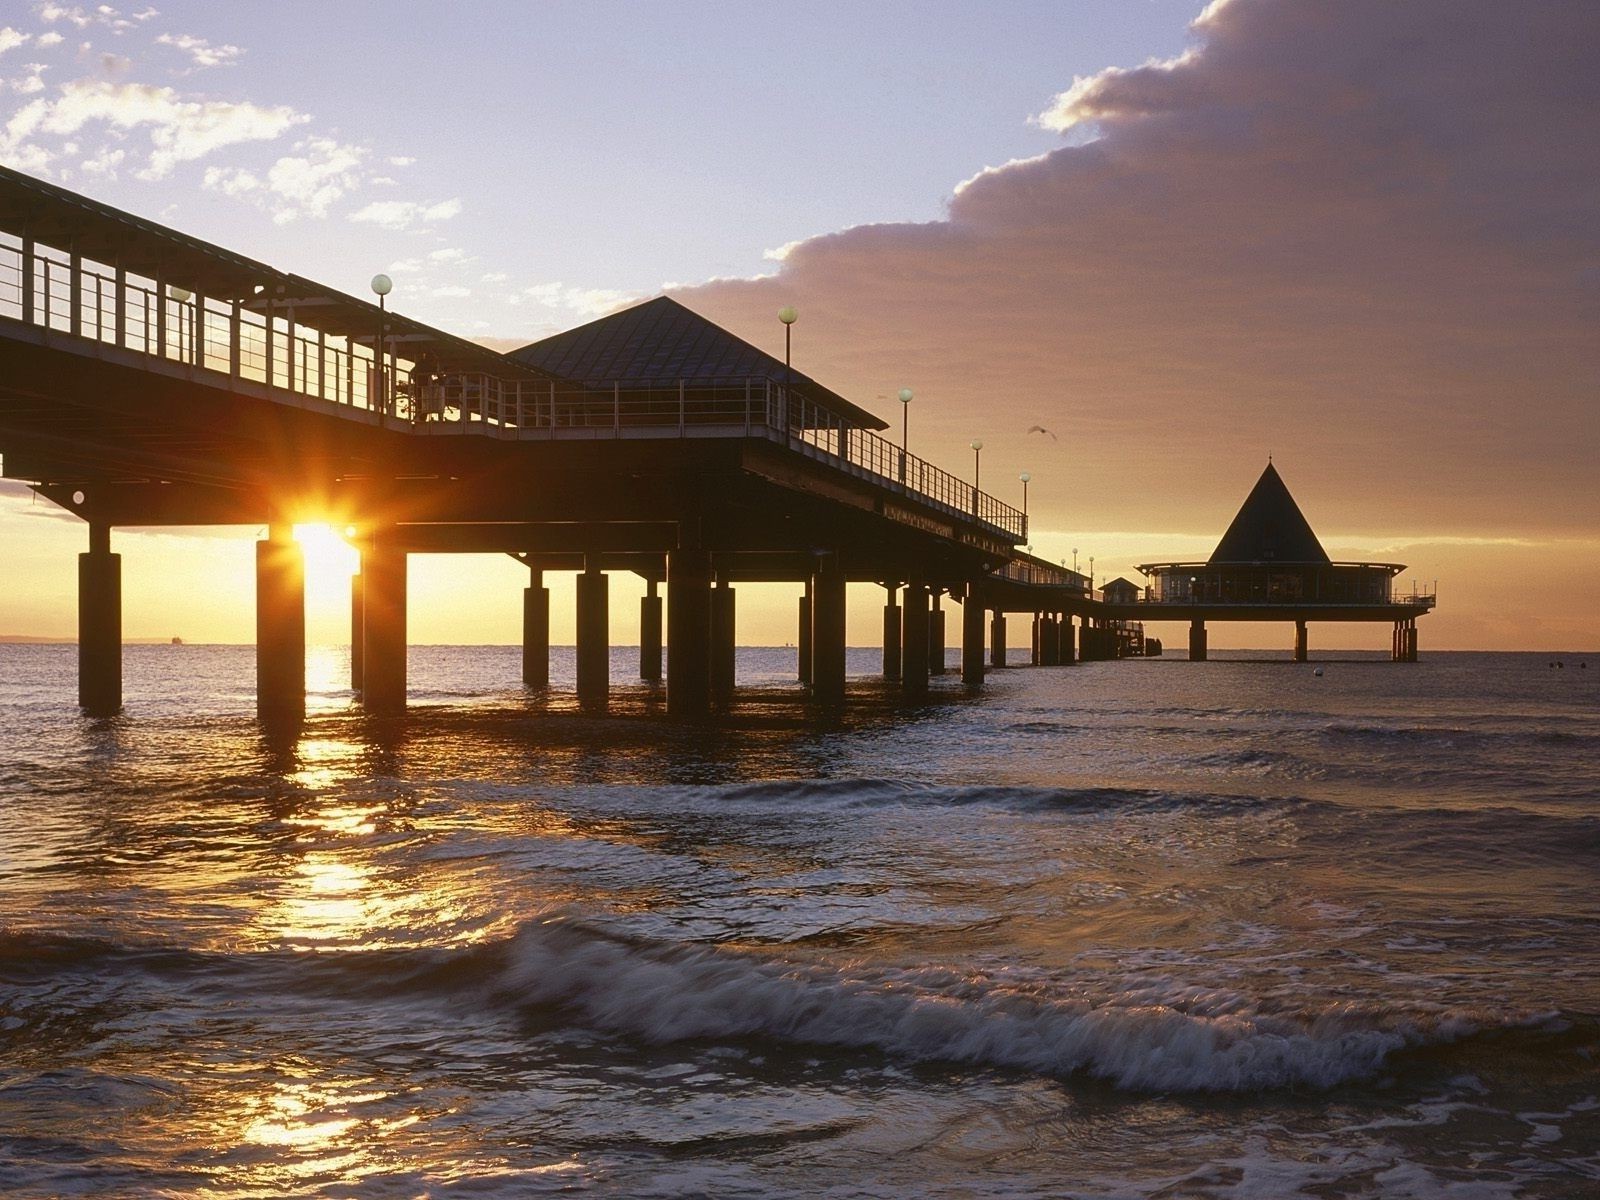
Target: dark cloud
x: 1363, y: 236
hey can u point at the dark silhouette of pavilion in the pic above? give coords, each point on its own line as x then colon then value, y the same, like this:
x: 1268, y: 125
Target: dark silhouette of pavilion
x: 1270, y: 565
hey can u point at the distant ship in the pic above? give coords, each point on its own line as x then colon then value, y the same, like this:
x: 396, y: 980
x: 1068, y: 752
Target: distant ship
x: 177, y: 641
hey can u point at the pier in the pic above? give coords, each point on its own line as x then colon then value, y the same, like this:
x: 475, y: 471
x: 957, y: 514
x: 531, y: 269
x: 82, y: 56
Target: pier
x: 151, y: 379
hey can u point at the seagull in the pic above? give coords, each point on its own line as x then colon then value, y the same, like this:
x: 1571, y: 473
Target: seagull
x: 1042, y: 429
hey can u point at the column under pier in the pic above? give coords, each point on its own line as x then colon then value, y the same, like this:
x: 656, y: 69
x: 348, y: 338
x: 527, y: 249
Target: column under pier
x: 997, y: 639
x: 1197, y: 641
x: 280, y: 626
x: 724, y: 642
x: 688, y: 633
x: 914, y: 640
x: 594, y: 636
x: 536, y: 633
x: 972, y: 639
x: 100, y: 626
x: 383, y: 669
x: 650, y: 634
x: 936, y: 642
x: 891, y: 634
x: 1066, y: 641
x: 827, y: 630
x: 803, y: 636
x: 1300, y: 641
x: 358, y: 624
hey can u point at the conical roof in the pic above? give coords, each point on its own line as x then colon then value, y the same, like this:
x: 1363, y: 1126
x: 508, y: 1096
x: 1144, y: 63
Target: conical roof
x: 661, y: 342
x: 1269, y: 528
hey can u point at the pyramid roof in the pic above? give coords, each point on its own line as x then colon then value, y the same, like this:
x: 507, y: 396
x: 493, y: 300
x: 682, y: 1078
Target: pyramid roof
x: 661, y: 342
x: 1269, y: 527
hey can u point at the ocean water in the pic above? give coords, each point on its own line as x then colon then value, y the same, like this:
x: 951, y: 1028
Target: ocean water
x: 1143, y: 929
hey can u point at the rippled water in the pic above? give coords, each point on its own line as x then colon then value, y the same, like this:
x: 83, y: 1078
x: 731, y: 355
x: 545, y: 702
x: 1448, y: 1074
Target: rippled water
x: 1122, y: 929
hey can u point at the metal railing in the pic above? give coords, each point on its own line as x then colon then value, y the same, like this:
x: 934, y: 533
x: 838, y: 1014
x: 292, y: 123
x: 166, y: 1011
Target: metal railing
x: 254, y: 340
x: 1037, y: 573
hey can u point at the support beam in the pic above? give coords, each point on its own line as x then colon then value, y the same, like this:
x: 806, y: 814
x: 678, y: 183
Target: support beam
x: 724, y: 642
x: 536, y: 633
x: 935, y: 635
x: 100, y: 626
x: 1300, y: 641
x: 650, y: 634
x: 688, y: 633
x: 891, y: 634
x: 803, y: 636
x: 997, y: 639
x: 1038, y: 636
x: 1197, y: 641
x: 594, y: 637
x: 972, y: 639
x: 280, y: 626
x: 1049, y: 641
x: 358, y: 620
x: 383, y: 667
x: 827, y: 630
x: 914, y: 640
x: 1066, y: 640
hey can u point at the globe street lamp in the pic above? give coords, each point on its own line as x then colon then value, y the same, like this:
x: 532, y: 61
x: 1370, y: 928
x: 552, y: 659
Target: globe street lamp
x: 788, y: 314
x: 1025, y: 477
x: 382, y: 285
x: 905, y: 428
x: 977, y: 453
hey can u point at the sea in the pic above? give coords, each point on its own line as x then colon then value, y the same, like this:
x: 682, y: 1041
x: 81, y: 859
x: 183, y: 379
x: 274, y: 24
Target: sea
x: 1245, y: 929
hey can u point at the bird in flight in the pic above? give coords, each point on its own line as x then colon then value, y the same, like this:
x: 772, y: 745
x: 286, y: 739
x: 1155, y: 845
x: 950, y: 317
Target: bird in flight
x: 1042, y: 429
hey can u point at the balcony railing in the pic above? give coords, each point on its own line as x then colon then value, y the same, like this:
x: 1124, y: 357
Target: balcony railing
x: 251, y: 340
x: 1334, y: 584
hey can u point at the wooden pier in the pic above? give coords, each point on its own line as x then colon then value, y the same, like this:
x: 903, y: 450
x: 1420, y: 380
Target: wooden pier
x: 151, y: 379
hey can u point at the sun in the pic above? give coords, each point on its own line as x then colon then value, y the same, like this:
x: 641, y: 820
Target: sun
x: 327, y: 553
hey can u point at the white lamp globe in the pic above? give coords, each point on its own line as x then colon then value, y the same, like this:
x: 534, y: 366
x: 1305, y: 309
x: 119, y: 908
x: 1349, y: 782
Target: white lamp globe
x: 977, y: 443
x: 1025, y: 477
x: 788, y: 314
x: 905, y: 395
x: 382, y: 285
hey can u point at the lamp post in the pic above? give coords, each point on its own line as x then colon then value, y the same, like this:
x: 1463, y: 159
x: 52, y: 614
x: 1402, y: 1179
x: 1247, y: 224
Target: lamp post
x: 788, y: 314
x: 1025, y: 477
x: 1074, y: 560
x: 905, y: 429
x: 977, y: 454
x: 382, y: 285
x: 1091, y: 575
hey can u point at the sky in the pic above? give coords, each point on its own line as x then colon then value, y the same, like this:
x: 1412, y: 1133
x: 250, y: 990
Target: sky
x: 1362, y: 238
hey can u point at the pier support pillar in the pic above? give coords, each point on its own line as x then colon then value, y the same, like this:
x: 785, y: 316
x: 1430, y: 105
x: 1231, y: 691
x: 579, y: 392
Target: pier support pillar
x: 688, y: 633
x: 1411, y: 641
x: 383, y: 670
x: 1197, y: 641
x: 997, y: 639
x: 724, y: 642
x: 803, y: 636
x: 1300, y: 641
x: 827, y: 630
x: 891, y: 635
x: 594, y: 636
x: 972, y: 639
x: 914, y: 640
x: 1066, y: 641
x: 650, y: 634
x: 358, y: 623
x: 280, y: 626
x: 936, y: 641
x: 1038, y: 625
x: 536, y: 633
x: 100, y: 626
x: 1049, y: 641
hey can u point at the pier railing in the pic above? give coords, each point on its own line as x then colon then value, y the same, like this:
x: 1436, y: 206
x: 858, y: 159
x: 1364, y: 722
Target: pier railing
x: 258, y: 337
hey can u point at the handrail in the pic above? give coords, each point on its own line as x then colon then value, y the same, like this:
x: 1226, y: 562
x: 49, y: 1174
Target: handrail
x: 53, y: 289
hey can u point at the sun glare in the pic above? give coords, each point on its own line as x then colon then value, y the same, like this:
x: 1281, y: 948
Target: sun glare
x: 326, y: 551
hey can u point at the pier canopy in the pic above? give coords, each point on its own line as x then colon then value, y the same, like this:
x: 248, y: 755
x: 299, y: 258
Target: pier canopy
x: 1271, y: 556
x: 662, y: 347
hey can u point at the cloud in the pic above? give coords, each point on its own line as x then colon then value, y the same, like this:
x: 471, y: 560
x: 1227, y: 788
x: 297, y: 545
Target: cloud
x: 52, y: 38
x: 180, y: 130
x: 201, y: 52
x: 401, y: 160
x: 406, y: 214
x: 1364, y: 236
x: 10, y: 39
x: 580, y: 301
x: 31, y: 82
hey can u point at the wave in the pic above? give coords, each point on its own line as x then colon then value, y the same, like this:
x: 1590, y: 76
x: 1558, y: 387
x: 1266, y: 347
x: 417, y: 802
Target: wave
x: 1150, y: 1038
x: 879, y: 793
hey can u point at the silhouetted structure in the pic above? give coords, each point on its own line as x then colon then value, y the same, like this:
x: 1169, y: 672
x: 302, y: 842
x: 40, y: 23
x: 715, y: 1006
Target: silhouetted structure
x: 1270, y: 566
